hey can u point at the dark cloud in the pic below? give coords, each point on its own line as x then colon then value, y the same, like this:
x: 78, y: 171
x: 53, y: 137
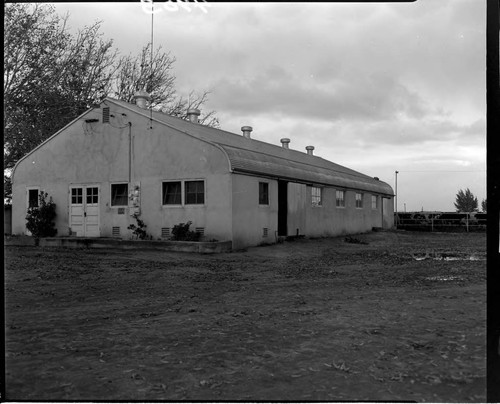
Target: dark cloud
x: 377, y: 96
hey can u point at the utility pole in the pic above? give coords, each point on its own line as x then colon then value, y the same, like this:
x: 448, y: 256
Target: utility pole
x: 396, y: 199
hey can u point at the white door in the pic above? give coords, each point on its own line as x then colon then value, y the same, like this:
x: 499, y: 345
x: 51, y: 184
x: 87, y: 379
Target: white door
x: 84, y: 211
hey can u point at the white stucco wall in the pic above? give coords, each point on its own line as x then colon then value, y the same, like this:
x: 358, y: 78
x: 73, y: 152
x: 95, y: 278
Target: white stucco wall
x: 250, y: 218
x: 330, y: 220
x: 98, y: 154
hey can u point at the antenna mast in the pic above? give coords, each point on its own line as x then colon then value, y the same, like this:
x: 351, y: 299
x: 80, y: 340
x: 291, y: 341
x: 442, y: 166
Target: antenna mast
x: 151, y: 64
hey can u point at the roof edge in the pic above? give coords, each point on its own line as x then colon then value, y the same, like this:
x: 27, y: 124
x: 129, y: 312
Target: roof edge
x: 48, y: 139
x: 148, y: 116
x: 299, y: 181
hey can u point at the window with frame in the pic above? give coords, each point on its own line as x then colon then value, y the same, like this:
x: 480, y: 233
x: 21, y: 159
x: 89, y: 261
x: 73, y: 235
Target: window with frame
x: 119, y: 194
x: 172, y: 193
x: 340, y: 199
x: 92, y: 195
x: 374, y: 202
x: 263, y: 193
x: 359, y: 200
x: 316, y: 196
x: 194, y: 192
x: 76, y: 196
x: 33, y: 198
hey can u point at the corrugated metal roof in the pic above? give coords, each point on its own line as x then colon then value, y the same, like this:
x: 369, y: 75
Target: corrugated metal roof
x: 257, y: 157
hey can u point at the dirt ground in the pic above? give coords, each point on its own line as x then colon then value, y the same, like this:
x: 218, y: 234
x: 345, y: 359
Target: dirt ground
x: 400, y: 316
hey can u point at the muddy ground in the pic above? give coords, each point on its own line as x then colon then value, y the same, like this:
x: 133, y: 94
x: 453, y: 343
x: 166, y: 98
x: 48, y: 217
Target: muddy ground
x: 401, y: 317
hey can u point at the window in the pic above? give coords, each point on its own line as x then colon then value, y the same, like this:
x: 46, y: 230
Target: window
x: 374, y: 202
x: 340, y: 198
x: 76, y: 196
x: 33, y: 198
x: 263, y: 193
x: 194, y: 192
x: 172, y: 194
x: 92, y: 195
x: 316, y: 194
x: 119, y: 194
x: 359, y: 200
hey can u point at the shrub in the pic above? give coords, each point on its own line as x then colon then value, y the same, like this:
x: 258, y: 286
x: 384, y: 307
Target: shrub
x: 40, y: 219
x: 181, y: 232
x: 138, y: 230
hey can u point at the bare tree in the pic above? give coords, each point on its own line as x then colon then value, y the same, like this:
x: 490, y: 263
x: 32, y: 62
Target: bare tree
x: 154, y: 74
x: 50, y: 76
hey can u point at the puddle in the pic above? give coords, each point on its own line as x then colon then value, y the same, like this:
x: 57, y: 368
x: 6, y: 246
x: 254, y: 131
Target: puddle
x: 447, y: 257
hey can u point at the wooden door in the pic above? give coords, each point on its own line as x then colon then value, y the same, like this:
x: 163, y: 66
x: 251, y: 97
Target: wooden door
x: 84, y: 211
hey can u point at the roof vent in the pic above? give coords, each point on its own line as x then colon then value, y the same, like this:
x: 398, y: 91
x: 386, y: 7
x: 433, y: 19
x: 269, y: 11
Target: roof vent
x: 246, y: 131
x: 141, y: 98
x: 193, y: 114
x: 310, y: 150
x: 105, y: 115
x: 285, y: 142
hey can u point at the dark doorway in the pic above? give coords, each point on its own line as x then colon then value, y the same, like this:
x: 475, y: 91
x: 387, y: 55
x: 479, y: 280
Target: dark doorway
x: 282, y: 207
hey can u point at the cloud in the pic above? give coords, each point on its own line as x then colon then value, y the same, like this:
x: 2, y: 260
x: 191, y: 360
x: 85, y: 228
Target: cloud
x: 278, y: 91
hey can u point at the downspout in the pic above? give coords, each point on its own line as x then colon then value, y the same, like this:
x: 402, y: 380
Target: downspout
x: 129, y: 152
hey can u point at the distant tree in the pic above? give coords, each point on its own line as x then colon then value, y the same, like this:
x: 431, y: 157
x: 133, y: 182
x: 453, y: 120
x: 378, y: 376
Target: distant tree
x: 154, y: 74
x: 466, y: 201
x: 483, y: 205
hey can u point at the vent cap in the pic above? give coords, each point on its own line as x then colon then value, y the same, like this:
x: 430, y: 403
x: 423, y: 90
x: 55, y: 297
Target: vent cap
x: 285, y: 142
x: 193, y: 114
x: 246, y: 131
x: 141, y: 98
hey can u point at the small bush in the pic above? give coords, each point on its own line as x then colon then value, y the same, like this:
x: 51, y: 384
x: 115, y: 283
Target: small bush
x: 139, y: 230
x: 181, y: 232
x: 40, y: 219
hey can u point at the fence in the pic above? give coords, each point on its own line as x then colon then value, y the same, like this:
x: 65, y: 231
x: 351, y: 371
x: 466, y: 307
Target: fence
x: 441, y: 221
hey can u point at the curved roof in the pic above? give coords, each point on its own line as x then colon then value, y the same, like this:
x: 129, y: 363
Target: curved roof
x: 256, y: 157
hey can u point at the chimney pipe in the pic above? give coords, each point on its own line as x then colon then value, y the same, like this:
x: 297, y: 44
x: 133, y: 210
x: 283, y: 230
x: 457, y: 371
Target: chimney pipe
x: 193, y: 115
x: 284, y: 142
x: 141, y: 98
x: 246, y: 131
x: 310, y: 150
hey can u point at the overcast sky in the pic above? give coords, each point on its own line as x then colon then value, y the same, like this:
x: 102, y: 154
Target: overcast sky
x: 375, y: 87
